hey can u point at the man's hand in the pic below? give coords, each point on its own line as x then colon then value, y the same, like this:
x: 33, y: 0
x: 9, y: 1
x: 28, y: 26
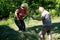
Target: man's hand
x: 39, y: 19
x: 33, y: 18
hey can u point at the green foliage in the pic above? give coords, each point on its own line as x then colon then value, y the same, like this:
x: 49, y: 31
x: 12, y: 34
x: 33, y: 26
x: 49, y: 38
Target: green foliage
x: 8, y: 7
x: 7, y: 22
x: 53, y: 12
x: 38, y: 14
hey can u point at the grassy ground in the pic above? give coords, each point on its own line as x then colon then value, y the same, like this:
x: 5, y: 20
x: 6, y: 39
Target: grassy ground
x: 33, y: 27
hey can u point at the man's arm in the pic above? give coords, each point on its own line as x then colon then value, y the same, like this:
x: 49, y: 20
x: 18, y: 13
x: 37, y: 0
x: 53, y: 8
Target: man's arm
x: 39, y: 19
x: 33, y: 17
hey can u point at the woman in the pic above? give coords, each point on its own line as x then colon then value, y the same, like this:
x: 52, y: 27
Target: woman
x: 20, y: 13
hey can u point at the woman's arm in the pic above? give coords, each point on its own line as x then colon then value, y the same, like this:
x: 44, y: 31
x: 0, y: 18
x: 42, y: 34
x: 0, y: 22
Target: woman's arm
x: 33, y: 17
x: 16, y: 12
x: 27, y: 14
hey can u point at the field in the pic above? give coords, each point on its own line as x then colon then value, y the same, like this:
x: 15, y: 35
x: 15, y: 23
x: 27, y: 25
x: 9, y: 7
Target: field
x: 9, y: 31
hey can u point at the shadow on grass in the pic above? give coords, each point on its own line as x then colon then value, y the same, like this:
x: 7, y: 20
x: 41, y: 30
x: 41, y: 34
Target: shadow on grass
x: 35, y: 29
x: 6, y: 33
x: 55, y: 28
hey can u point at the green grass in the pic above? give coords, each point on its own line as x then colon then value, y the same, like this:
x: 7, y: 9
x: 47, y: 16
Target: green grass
x: 9, y: 31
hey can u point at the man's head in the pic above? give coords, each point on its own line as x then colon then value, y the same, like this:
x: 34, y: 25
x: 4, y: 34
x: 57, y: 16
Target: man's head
x: 24, y: 6
x: 41, y: 9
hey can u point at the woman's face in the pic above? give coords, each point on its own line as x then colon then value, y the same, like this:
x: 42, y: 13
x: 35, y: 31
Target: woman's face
x: 25, y: 8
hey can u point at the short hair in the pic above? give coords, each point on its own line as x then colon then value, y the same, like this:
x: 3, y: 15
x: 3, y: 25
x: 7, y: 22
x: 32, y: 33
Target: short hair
x: 41, y: 8
x: 24, y: 5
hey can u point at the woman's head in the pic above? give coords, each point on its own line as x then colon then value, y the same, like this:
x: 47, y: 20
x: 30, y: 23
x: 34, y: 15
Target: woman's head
x: 24, y: 6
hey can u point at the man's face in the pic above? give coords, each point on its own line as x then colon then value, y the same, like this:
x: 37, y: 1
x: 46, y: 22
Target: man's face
x: 41, y: 9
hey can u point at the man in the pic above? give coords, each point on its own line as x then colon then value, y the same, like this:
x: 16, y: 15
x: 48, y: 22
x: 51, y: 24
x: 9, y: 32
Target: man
x: 46, y: 19
x: 20, y: 13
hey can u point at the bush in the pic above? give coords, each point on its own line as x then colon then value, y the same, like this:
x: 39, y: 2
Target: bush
x: 7, y: 7
x: 53, y: 12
